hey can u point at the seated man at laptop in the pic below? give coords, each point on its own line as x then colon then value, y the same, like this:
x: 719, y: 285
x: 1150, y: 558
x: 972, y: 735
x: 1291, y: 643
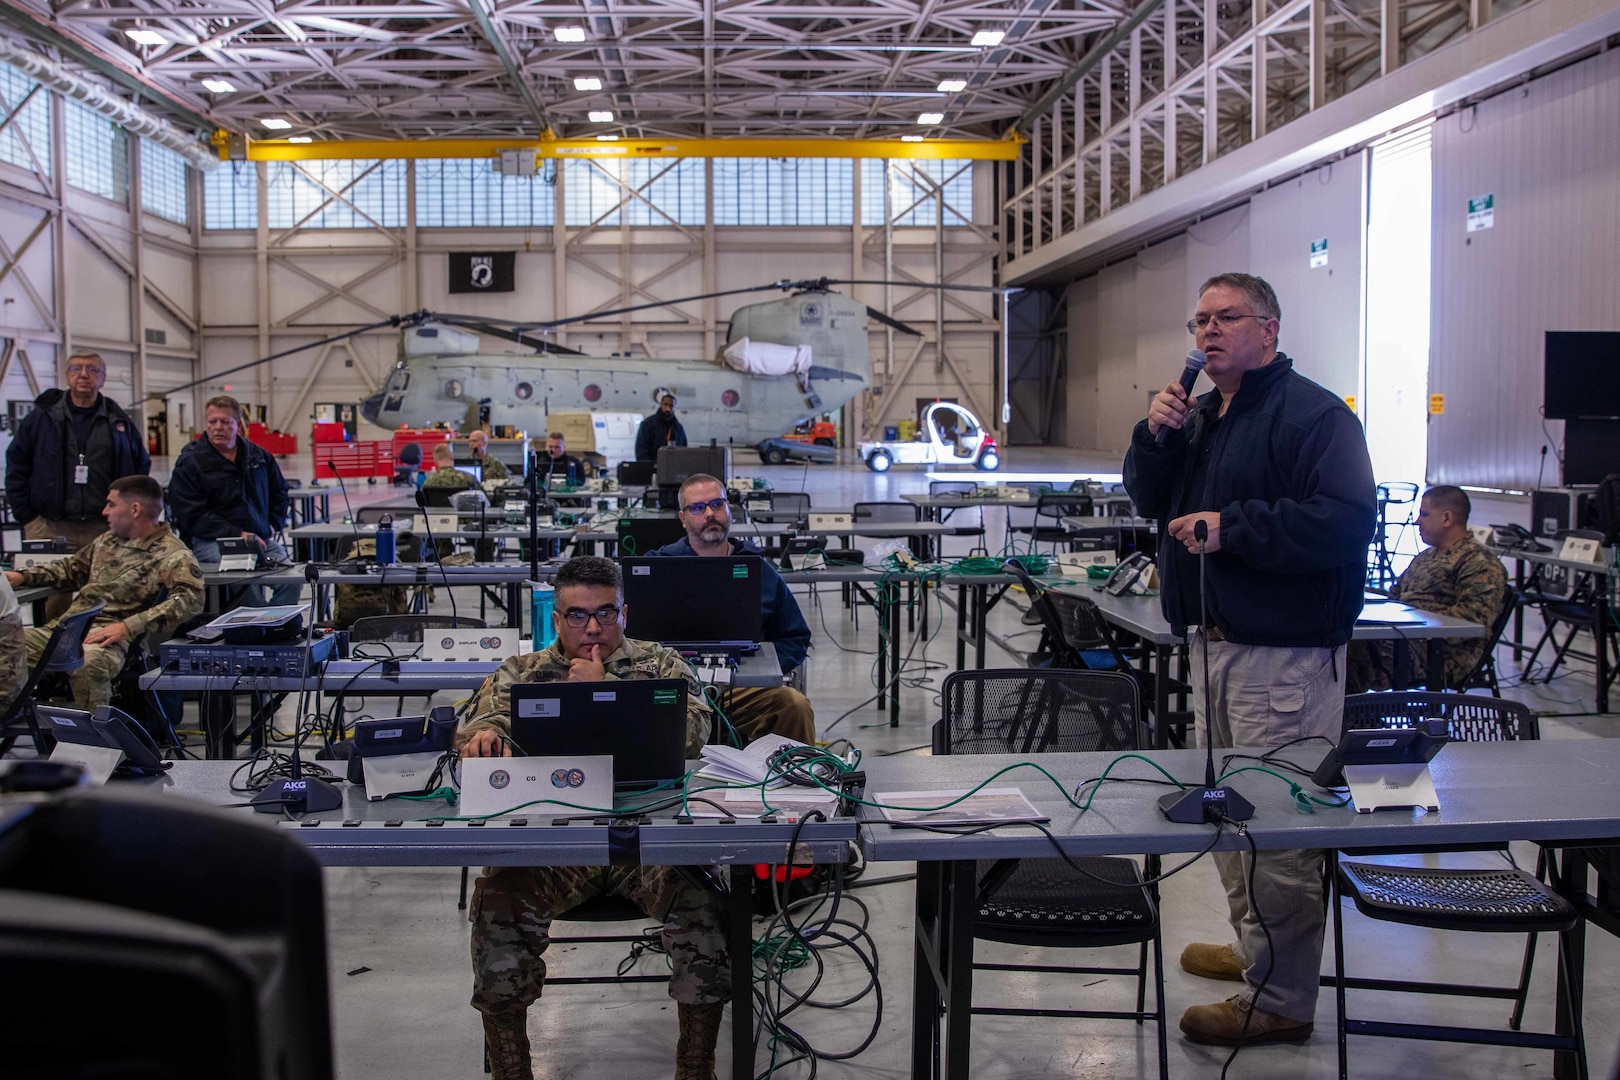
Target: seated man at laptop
x: 1455, y: 576
x: 513, y: 906
x: 753, y: 711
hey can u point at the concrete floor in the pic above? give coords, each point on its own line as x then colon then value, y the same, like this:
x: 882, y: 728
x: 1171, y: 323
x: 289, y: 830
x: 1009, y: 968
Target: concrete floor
x: 407, y: 1015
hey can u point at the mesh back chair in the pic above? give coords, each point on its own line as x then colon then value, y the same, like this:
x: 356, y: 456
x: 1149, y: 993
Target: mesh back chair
x: 64, y: 653
x: 970, y: 517
x: 371, y: 515
x: 1051, y: 507
x: 1079, y: 903
x: 1483, y: 674
x: 892, y: 513
x: 1502, y: 900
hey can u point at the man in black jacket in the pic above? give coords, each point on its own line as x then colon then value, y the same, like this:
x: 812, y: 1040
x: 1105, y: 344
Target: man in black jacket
x: 64, y: 455
x: 1276, y: 469
x: 224, y: 485
x: 659, y: 429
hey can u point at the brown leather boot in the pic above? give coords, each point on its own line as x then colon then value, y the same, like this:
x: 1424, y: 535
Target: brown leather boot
x: 700, y: 1031
x: 506, y: 1044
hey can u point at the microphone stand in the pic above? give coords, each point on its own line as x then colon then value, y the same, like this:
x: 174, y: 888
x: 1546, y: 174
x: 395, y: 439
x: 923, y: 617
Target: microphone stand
x: 299, y: 793
x: 1209, y: 803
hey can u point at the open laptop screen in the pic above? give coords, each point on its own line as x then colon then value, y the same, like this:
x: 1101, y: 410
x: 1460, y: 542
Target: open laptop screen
x: 694, y: 601
x: 640, y: 723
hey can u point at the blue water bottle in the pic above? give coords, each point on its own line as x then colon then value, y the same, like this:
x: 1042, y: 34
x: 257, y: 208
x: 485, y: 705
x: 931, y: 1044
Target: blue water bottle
x: 385, y: 541
x: 542, y: 600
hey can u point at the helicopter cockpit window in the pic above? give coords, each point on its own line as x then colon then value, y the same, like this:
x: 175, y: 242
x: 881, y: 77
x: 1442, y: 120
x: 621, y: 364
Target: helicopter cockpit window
x: 398, y: 382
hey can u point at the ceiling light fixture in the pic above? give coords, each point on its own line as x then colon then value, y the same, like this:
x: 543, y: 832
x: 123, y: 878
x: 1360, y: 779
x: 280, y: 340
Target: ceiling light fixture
x: 988, y: 39
x: 146, y: 37
x: 952, y: 86
x: 601, y: 117
x: 607, y: 138
x: 929, y: 119
x: 219, y: 86
x: 276, y: 123
x: 569, y: 33
x: 587, y: 82
x: 911, y: 138
x: 300, y: 139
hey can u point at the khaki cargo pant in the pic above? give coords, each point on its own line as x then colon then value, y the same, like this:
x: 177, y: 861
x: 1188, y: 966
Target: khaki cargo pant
x: 1265, y: 697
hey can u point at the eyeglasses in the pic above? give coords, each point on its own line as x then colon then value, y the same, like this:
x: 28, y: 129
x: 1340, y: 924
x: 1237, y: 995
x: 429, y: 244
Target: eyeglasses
x: 696, y: 509
x: 1225, y: 320
x: 85, y: 369
x: 603, y: 615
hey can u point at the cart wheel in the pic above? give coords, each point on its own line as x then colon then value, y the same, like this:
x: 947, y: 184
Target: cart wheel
x: 774, y: 456
x: 989, y: 461
x: 879, y: 461
x: 371, y: 479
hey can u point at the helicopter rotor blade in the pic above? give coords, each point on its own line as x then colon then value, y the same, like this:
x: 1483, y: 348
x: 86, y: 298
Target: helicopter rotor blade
x: 891, y: 321
x: 942, y: 285
x: 392, y: 320
x: 782, y: 285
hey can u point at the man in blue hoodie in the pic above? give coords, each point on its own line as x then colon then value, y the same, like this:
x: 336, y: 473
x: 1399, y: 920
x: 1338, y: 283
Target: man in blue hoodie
x: 753, y: 711
x: 1275, y: 468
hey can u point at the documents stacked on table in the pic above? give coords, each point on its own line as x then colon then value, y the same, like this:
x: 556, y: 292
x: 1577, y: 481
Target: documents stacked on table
x: 929, y: 809
x: 750, y: 765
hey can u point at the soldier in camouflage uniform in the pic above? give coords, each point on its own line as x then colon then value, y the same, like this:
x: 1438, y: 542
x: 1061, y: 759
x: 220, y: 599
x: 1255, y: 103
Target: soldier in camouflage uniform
x: 148, y: 579
x: 445, y: 474
x: 493, y: 468
x: 513, y: 906
x: 13, y: 649
x: 1455, y: 576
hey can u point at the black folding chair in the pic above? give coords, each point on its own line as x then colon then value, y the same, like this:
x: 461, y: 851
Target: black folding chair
x: 64, y: 653
x: 1058, y: 903
x: 1503, y: 900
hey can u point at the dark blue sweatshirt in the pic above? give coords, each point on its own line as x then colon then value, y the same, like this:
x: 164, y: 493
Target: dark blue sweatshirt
x: 1288, y: 470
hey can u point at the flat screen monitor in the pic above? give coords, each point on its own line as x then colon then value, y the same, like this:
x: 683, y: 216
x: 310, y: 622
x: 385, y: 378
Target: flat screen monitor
x: 1591, y: 451
x: 1581, y: 375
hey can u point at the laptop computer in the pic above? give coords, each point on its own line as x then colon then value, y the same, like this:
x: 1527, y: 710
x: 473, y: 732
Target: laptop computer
x: 639, y: 535
x: 640, y: 723
x: 706, y: 604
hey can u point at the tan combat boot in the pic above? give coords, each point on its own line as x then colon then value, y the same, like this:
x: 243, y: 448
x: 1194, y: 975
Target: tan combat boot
x: 506, y: 1044
x: 700, y: 1031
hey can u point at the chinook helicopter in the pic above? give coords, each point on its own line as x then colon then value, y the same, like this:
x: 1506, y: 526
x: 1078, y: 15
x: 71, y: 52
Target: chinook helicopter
x: 749, y: 393
x: 784, y: 361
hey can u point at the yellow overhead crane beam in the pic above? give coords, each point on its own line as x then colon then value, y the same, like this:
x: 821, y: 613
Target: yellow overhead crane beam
x: 241, y: 148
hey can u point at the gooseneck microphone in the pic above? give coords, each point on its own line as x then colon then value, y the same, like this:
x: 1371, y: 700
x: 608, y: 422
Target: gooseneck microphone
x: 1210, y: 803
x: 299, y: 793
x: 427, y: 524
x: 1195, y: 363
x: 348, y: 511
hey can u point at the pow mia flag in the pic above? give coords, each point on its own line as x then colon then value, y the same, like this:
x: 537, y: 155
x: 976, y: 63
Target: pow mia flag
x: 482, y: 271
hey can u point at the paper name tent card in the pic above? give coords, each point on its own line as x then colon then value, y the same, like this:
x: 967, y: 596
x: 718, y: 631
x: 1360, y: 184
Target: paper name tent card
x: 915, y: 808
x: 537, y: 786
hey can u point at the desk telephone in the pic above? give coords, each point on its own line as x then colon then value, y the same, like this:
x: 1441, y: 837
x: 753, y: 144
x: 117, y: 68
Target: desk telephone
x: 1131, y: 575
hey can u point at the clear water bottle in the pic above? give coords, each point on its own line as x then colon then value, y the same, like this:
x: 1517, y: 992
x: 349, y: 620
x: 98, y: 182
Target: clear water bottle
x: 542, y: 600
x: 386, y: 551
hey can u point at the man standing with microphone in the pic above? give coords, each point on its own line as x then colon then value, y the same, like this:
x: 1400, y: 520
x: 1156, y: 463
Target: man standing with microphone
x: 1276, y: 470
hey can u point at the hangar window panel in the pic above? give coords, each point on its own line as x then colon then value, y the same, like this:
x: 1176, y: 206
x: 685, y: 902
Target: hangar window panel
x: 372, y: 193
x: 794, y: 191
x: 97, y: 153
x: 673, y: 188
x: 231, y: 196
x: 32, y: 124
x: 470, y: 193
x: 163, y: 182
x: 591, y: 193
x: 911, y: 196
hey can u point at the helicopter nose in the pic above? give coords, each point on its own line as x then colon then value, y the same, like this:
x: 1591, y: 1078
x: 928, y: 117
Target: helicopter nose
x: 371, y: 408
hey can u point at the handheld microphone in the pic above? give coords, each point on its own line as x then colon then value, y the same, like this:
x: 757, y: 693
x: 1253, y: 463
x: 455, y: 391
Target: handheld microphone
x: 427, y: 523
x: 300, y: 793
x: 348, y: 512
x: 1195, y: 363
x: 1197, y: 805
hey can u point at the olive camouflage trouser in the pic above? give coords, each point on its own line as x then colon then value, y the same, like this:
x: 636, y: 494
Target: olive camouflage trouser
x: 513, y: 907
x: 92, y: 683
